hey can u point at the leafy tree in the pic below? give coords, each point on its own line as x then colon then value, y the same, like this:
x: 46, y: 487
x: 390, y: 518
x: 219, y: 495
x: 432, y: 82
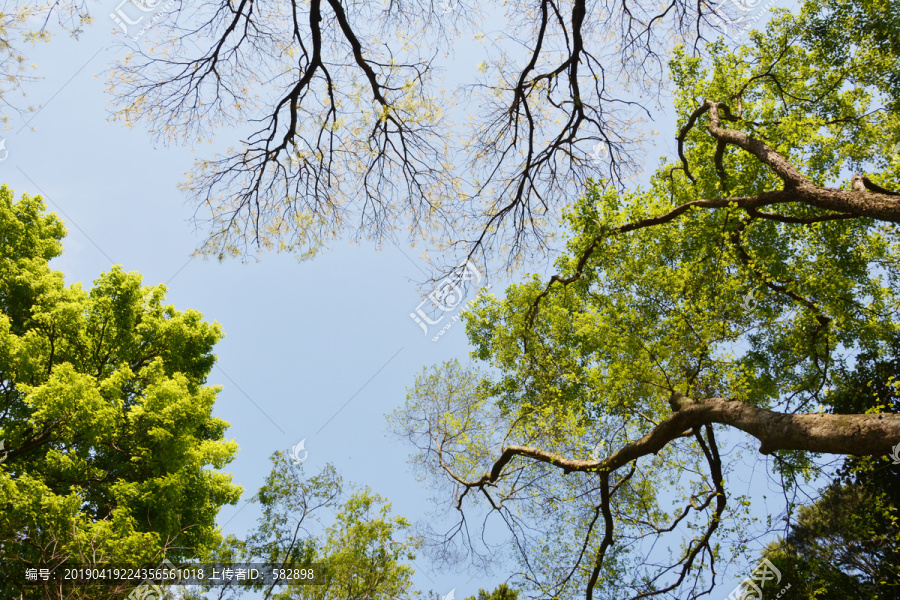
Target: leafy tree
x: 865, y: 26
x: 841, y: 546
x: 360, y: 557
x: 718, y: 302
x: 501, y: 592
x: 357, y: 557
x: 105, y: 415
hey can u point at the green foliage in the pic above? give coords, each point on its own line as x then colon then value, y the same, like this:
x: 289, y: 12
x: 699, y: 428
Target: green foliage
x: 104, y: 412
x: 860, y: 31
x: 843, y: 545
x: 361, y: 558
x: 501, y: 592
x: 714, y: 302
x: 362, y: 554
x: 665, y: 307
x: 848, y: 541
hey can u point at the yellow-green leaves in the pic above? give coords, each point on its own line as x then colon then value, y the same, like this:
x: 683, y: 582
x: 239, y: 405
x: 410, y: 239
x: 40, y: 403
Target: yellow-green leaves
x: 104, y: 412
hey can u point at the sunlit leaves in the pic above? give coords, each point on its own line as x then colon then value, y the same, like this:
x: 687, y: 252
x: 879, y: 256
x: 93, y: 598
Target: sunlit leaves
x: 106, y: 416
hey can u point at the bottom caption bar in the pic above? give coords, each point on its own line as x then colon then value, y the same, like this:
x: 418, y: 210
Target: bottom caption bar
x: 167, y: 574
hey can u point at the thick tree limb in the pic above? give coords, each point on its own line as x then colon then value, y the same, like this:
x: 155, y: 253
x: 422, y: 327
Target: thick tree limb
x: 857, y: 435
x: 879, y: 206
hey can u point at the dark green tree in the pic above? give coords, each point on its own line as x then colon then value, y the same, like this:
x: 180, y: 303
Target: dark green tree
x: 847, y: 543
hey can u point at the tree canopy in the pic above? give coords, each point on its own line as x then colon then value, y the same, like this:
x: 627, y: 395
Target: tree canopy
x: 361, y: 553
x: 605, y: 422
x: 501, y: 592
x: 106, y: 420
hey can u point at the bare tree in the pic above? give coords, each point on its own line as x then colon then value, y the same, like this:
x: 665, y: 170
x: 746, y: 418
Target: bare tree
x: 23, y: 23
x: 353, y: 135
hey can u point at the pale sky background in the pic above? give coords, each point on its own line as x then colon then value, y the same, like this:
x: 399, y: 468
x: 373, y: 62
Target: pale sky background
x: 302, y: 339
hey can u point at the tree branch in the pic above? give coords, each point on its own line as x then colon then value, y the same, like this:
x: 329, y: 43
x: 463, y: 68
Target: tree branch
x: 857, y: 435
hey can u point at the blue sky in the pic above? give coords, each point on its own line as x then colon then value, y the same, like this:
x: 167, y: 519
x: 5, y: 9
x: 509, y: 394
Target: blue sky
x: 302, y: 339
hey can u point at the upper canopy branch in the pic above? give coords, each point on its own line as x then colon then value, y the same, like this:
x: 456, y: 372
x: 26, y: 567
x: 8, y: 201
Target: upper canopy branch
x: 798, y: 189
x: 358, y: 137
x: 883, y: 207
x: 782, y: 167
